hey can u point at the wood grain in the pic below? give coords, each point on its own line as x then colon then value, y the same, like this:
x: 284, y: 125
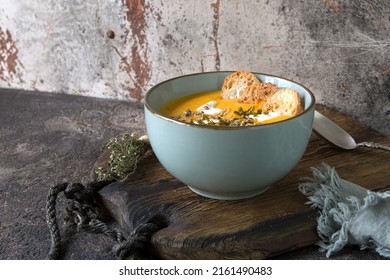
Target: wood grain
x: 272, y: 223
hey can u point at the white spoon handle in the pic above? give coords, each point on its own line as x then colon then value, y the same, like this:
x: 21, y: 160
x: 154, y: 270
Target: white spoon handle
x: 338, y: 136
x: 332, y: 132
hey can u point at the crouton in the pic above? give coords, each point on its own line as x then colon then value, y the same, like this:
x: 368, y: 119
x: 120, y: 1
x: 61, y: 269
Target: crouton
x: 257, y: 92
x: 235, y: 84
x: 285, y: 101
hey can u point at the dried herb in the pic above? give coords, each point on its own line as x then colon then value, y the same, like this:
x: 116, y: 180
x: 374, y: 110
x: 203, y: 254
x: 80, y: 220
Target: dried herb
x: 125, y: 154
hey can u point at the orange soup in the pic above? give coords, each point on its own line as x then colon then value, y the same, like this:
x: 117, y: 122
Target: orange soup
x: 209, y: 108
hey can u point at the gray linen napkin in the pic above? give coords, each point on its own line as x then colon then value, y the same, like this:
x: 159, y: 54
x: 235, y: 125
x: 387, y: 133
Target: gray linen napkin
x: 349, y: 214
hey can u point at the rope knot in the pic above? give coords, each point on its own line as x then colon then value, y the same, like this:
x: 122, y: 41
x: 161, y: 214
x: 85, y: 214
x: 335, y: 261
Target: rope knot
x: 140, y: 236
x: 84, y: 213
x: 83, y: 207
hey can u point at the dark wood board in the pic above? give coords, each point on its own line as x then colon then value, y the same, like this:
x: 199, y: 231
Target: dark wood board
x: 272, y: 223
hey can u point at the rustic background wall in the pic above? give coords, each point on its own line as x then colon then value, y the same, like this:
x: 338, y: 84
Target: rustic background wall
x: 120, y: 48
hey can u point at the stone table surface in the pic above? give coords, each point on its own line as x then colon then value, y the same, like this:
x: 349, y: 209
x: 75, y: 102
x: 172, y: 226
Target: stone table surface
x: 46, y: 139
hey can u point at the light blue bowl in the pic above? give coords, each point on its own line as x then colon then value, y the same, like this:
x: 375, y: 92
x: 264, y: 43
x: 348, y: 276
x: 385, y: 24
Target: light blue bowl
x: 226, y: 162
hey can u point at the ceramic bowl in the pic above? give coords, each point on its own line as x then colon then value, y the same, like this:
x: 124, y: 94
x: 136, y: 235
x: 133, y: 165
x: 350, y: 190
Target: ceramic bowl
x: 226, y: 163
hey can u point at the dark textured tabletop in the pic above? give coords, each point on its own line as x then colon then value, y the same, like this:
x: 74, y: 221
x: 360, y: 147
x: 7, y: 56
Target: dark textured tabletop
x: 46, y: 139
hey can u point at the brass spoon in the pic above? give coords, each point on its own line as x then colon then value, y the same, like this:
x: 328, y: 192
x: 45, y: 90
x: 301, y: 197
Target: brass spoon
x: 338, y: 136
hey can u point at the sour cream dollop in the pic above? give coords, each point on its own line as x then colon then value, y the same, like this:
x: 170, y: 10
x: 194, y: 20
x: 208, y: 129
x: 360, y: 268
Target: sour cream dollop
x: 209, y: 108
x: 264, y: 117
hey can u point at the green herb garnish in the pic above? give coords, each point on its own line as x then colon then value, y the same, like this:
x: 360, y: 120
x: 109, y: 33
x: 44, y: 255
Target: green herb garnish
x: 125, y: 155
x: 247, y: 113
x: 244, y: 117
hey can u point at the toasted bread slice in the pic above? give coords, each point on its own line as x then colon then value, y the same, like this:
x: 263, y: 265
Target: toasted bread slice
x: 258, y: 92
x: 235, y: 84
x: 285, y: 101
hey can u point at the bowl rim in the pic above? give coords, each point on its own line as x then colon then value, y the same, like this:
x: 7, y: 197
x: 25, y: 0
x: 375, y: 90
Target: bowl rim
x: 222, y: 127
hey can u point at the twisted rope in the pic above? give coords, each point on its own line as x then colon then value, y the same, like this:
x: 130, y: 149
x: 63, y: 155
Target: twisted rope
x: 52, y: 221
x: 84, y: 213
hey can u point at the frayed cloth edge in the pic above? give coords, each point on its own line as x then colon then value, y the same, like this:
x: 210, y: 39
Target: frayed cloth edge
x: 338, y: 206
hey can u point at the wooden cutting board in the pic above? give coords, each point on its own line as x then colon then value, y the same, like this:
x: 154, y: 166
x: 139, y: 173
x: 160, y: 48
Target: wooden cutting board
x: 272, y: 223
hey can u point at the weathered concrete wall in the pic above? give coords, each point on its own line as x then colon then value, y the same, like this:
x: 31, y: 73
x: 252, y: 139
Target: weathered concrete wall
x: 119, y: 48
